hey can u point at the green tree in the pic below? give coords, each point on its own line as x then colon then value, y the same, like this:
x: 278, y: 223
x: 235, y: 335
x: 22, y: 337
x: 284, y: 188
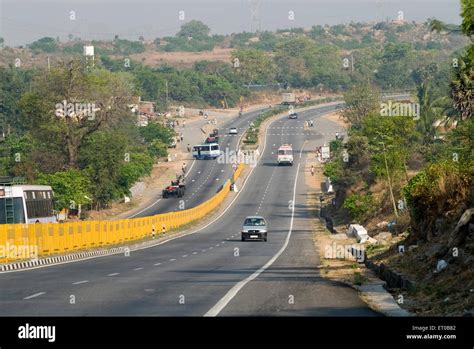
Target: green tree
x: 360, y: 101
x: 68, y: 104
x: 102, y: 157
x: 71, y: 188
x: 46, y: 44
x: 195, y: 30
x: 254, y: 66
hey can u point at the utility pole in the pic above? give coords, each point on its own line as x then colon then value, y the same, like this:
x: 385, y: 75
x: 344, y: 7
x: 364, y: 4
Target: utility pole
x: 389, y: 182
x: 352, y: 63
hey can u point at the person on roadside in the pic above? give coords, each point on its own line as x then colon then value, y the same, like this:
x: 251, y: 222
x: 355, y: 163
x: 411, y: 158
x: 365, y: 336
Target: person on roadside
x: 312, y: 170
x: 189, y: 148
x: 183, y: 168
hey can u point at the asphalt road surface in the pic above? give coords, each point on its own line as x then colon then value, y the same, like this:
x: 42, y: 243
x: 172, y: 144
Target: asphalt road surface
x: 210, y: 272
x: 204, y: 177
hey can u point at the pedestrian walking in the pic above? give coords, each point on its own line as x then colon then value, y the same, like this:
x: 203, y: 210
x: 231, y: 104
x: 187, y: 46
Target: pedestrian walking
x: 184, y: 123
x: 181, y: 136
x: 312, y: 170
x: 183, y: 168
x: 189, y: 148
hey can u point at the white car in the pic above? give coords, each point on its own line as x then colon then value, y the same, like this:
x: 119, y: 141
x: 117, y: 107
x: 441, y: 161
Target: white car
x: 254, y: 228
x: 233, y: 131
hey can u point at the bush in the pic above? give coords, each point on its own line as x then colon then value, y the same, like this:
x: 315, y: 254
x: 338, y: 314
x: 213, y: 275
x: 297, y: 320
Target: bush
x: 157, y: 148
x: 333, y: 170
x: 359, y: 206
x: 442, y: 189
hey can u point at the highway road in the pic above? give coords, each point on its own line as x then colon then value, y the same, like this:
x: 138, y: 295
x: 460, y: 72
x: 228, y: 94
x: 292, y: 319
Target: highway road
x: 211, y: 272
x: 204, y: 177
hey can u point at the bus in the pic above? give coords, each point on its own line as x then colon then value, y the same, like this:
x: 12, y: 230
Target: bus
x: 23, y: 204
x: 285, y: 154
x: 206, y: 151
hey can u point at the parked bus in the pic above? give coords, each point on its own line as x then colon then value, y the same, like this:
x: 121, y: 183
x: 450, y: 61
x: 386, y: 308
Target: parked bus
x: 26, y: 204
x: 206, y: 151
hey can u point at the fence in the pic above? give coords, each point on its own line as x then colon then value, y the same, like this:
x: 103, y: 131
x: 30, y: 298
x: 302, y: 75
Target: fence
x: 24, y: 241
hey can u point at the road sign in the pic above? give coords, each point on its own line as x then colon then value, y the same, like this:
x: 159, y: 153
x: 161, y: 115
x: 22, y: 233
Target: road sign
x: 325, y: 152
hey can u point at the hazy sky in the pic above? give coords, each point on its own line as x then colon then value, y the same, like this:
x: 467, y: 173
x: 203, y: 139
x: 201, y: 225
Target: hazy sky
x: 23, y: 21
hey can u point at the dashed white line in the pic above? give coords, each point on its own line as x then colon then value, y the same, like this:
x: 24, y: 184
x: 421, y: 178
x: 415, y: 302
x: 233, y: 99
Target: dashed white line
x: 172, y: 259
x: 195, y: 253
x: 184, y: 255
x: 35, y: 295
x: 157, y: 264
x: 136, y: 269
x: 113, y: 274
x: 221, y: 304
x: 80, y: 282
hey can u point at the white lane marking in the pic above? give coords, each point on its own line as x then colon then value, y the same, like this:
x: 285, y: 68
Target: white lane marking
x: 80, y: 282
x: 184, y: 255
x: 35, y: 295
x: 211, y: 248
x: 203, y: 250
x: 195, y: 253
x: 136, y: 269
x: 146, y: 208
x: 222, y: 303
x: 190, y: 167
x: 113, y: 274
x: 157, y: 264
x: 172, y: 259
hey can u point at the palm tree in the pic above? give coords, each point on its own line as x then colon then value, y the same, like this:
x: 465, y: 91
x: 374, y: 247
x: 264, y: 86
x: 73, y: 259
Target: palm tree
x: 462, y: 87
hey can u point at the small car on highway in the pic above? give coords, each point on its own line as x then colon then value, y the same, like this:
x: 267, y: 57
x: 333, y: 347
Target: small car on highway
x: 233, y: 131
x: 254, y: 228
x: 293, y: 116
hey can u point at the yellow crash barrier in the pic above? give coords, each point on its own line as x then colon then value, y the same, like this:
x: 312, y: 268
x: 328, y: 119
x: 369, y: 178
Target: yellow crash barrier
x: 25, y: 241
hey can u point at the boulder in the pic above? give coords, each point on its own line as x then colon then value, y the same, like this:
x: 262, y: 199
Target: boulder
x: 385, y: 236
x: 441, y: 265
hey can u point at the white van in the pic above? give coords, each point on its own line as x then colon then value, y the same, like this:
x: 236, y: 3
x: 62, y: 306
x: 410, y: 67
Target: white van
x: 206, y: 151
x: 285, y: 154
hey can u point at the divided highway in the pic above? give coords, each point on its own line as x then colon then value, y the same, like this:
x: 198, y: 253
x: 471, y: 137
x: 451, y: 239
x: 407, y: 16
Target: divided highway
x: 204, y: 178
x: 210, y: 272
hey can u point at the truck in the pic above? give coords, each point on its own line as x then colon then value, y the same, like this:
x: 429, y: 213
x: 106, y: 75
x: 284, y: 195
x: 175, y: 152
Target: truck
x: 288, y: 98
x: 176, y: 189
x: 285, y: 155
